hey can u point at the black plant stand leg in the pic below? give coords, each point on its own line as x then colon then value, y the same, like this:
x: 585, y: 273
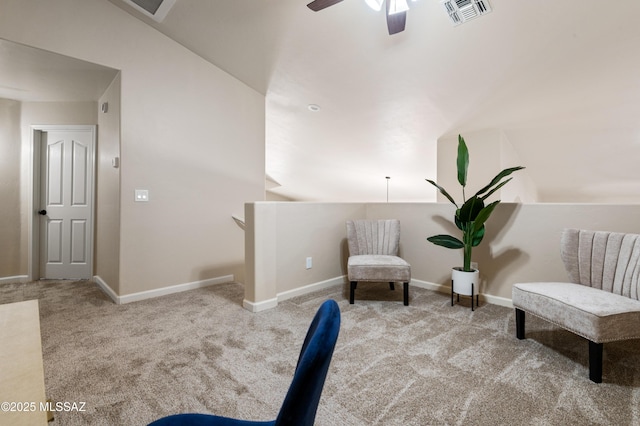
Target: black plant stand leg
x: 595, y: 362
x: 471, y: 297
x: 451, y: 292
x: 352, y: 291
x: 392, y: 286
x: 520, y: 323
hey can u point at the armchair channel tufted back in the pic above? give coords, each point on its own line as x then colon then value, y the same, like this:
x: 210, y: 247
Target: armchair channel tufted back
x: 607, y: 261
x: 373, y: 237
x: 373, y: 255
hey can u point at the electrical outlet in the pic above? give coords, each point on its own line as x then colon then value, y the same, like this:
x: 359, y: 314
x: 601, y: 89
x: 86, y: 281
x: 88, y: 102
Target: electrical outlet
x: 309, y: 263
x: 141, y: 195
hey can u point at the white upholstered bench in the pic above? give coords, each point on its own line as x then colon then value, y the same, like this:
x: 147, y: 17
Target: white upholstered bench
x: 601, y: 303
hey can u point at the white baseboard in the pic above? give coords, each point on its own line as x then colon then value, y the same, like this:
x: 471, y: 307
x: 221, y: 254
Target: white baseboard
x: 272, y: 303
x: 310, y: 288
x: 260, y: 306
x: 150, y: 294
x: 494, y: 300
x: 430, y: 286
x: 15, y: 279
x: 106, y: 289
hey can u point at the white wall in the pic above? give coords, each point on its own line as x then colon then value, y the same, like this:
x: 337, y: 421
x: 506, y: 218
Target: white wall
x: 522, y: 244
x: 489, y: 153
x: 521, y: 189
x: 190, y: 134
x: 10, y: 151
x: 107, y: 218
x: 281, y: 235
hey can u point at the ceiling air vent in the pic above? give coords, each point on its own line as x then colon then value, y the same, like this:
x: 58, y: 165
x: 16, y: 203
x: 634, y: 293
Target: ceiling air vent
x: 461, y: 11
x: 154, y: 9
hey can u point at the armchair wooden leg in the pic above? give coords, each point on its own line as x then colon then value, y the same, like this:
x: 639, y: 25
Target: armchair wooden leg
x: 520, y: 323
x: 392, y: 286
x: 406, y: 293
x: 595, y: 361
x: 352, y: 291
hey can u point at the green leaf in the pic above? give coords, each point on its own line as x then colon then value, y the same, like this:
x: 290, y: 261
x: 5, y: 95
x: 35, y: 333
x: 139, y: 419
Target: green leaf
x: 470, y: 209
x: 498, y: 178
x: 484, y: 215
x: 442, y: 191
x: 458, y: 222
x: 462, y: 161
x: 478, y: 236
x: 446, y: 241
x: 495, y: 189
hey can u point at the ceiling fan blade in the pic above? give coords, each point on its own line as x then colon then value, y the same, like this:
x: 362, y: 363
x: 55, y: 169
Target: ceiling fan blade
x: 317, y: 5
x: 395, y: 22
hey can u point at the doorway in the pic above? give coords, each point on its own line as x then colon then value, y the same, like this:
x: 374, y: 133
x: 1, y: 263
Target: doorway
x: 62, y: 216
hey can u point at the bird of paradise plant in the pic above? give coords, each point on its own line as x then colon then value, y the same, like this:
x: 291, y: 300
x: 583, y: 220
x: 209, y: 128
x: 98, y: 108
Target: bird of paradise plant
x: 471, y: 216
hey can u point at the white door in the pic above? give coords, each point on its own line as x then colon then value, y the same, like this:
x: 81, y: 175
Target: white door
x: 66, y: 202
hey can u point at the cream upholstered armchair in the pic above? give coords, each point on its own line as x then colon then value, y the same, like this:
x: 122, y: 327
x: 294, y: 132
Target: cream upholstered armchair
x: 373, y: 255
x: 602, y: 300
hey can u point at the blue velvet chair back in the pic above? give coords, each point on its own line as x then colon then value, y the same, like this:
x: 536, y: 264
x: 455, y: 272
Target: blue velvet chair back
x: 301, y: 402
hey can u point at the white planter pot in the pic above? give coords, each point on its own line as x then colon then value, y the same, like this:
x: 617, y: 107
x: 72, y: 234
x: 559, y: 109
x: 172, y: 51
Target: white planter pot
x: 462, y: 281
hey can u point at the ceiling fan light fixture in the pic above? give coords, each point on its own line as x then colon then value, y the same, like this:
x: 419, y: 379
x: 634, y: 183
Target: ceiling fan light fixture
x: 375, y: 4
x: 397, y: 6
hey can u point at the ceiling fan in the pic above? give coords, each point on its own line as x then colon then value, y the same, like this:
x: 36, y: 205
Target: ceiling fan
x: 396, y: 11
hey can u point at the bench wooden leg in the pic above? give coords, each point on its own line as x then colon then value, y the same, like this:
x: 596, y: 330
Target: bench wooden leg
x: 406, y: 294
x: 519, y: 323
x: 595, y: 361
x: 352, y: 291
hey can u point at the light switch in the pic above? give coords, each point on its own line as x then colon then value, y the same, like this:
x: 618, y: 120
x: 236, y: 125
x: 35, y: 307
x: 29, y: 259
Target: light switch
x: 142, y: 195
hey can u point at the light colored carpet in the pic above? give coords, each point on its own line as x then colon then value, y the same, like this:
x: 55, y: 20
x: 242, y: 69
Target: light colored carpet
x: 425, y: 364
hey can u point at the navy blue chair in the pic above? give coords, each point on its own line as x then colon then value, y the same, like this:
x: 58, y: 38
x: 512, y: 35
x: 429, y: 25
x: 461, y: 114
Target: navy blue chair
x: 301, y: 402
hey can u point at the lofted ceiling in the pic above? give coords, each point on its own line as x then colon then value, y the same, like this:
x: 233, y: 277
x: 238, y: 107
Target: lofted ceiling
x: 560, y: 80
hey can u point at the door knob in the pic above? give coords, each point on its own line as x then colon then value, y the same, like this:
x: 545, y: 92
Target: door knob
x: 42, y: 212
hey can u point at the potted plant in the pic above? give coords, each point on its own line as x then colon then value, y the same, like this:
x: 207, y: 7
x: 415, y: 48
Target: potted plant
x: 469, y: 218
